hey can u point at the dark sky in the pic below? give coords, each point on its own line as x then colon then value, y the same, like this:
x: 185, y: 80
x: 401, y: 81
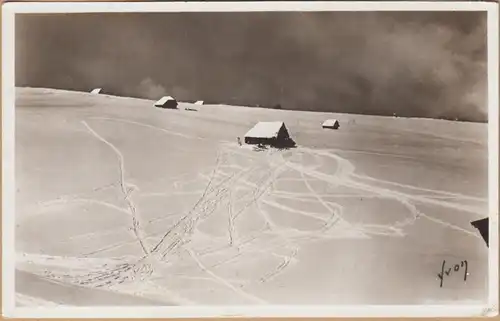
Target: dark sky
x: 421, y: 64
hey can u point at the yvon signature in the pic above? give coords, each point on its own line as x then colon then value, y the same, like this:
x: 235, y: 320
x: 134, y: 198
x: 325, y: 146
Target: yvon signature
x: 453, y: 270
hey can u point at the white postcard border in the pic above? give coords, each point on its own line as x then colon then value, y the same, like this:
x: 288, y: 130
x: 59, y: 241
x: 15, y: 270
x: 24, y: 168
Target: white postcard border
x: 9, y: 10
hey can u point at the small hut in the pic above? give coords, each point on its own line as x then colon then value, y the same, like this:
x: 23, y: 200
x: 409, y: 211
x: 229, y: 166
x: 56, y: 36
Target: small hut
x: 199, y: 102
x: 331, y: 124
x: 269, y: 133
x: 167, y: 102
x: 96, y: 91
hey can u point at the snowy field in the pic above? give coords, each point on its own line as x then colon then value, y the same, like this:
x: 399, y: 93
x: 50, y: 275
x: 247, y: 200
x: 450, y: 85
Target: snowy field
x: 122, y: 203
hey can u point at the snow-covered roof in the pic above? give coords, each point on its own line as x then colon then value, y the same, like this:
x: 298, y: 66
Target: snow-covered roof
x: 330, y: 122
x: 199, y: 102
x: 96, y: 91
x: 163, y: 100
x: 265, y: 129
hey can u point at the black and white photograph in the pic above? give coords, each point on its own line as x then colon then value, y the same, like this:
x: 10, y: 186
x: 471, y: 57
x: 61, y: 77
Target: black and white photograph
x: 236, y: 156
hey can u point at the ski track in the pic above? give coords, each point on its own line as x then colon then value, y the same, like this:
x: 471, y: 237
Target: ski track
x: 274, y: 228
x: 224, y: 281
x: 225, y: 180
x: 163, y: 130
x: 346, y: 169
x: 441, y: 194
x: 84, y: 201
x: 124, y: 186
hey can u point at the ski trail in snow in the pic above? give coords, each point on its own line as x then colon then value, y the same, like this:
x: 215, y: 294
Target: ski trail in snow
x: 344, y: 176
x: 327, y: 206
x: 163, y: 130
x: 223, y: 184
x: 222, y: 280
x: 124, y: 186
x: 84, y: 201
x: 444, y: 194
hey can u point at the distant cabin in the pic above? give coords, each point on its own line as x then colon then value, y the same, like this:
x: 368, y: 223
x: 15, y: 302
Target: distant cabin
x: 167, y: 102
x: 96, y: 91
x: 269, y: 133
x: 331, y: 124
x: 199, y: 102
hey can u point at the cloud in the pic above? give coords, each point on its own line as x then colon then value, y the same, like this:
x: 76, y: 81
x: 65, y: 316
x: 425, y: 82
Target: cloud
x: 421, y: 64
x: 151, y: 90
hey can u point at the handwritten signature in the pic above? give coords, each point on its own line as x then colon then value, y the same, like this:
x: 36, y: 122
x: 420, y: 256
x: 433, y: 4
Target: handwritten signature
x: 456, y: 268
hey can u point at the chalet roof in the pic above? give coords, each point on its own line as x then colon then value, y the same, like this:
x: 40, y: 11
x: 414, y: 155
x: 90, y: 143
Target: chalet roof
x: 265, y: 129
x: 164, y: 100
